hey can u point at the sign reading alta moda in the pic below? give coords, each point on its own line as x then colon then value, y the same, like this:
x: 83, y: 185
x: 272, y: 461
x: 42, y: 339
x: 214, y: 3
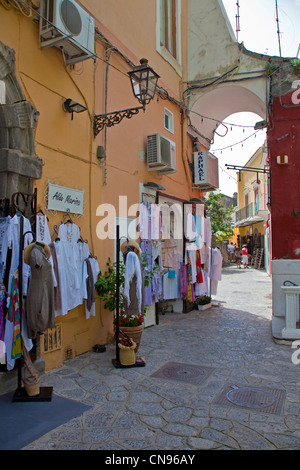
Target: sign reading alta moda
x: 63, y: 199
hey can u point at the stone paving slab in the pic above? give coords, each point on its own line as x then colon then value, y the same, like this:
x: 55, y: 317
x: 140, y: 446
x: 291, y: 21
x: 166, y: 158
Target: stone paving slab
x: 132, y: 410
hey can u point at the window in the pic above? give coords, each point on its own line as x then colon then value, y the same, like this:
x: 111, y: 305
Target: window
x: 169, y: 121
x: 168, y: 25
x: 168, y: 32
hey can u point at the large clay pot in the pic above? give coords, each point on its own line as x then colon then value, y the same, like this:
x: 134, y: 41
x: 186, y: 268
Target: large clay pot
x: 134, y: 332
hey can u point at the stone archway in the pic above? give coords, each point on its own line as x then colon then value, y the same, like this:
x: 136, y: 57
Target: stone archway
x: 221, y: 102
x: 19, y: 165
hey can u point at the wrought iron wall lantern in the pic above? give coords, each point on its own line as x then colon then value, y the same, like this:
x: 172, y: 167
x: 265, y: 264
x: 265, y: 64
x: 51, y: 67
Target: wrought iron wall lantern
x: 71, y: 106
x: 143, y: 82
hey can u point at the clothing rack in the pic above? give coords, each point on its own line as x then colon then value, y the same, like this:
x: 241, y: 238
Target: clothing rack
x: 20, y: 394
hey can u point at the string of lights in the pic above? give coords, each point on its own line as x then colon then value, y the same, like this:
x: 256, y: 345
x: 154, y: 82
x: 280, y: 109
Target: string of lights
x: 220, y: 122
x: 237, y: 143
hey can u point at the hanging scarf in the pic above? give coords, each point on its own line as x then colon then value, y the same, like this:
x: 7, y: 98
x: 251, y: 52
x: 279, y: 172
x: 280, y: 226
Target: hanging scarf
x: 198, y: 267
x: 189, y: 268
x: 13, y: 315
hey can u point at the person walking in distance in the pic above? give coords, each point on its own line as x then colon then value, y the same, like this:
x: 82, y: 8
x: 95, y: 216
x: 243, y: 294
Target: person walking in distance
x: 238, y: 257
x: 231, y: 250
x: 245, y: 256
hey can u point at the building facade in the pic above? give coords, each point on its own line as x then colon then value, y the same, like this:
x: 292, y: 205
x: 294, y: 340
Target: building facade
x: 54, y: 55
x: 252, y: 214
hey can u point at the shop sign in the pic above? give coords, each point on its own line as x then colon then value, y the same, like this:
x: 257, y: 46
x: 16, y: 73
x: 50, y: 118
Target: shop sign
x: 200, y: 167
x: 64, y: 199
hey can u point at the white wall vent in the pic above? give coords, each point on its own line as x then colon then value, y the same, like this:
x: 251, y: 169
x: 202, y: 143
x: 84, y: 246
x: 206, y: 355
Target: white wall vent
x: 206, y: 171
x: 161, y: 154
x: 67, y: 26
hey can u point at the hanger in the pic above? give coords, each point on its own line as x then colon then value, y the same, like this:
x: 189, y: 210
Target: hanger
x: 81, y: 240
x: 55, y: 228
x: 67, y: 218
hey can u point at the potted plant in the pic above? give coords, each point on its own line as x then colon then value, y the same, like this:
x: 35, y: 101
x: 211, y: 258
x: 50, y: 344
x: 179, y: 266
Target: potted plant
x: 203, y: 302
x: 105, y: 287
x: 131, y: 325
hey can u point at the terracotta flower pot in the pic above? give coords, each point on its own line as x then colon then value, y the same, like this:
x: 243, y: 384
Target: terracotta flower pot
x: 134, y: 332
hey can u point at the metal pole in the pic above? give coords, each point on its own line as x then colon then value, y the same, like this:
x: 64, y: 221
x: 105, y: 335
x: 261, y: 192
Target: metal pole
x: 21, y: 246
x: 117, y: 290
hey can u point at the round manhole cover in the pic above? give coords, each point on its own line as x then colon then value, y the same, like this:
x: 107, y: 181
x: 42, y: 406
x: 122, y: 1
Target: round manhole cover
x: 183, y: 372
x: 251, y: 398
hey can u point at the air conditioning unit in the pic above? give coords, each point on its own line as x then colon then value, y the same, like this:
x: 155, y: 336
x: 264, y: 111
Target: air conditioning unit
x: 206, y: 171
x: 161, y: 154
x: 67, y: 26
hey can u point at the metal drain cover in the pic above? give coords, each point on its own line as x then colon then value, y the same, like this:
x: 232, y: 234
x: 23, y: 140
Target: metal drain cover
x: 252, y: 398
x: 189, y: 373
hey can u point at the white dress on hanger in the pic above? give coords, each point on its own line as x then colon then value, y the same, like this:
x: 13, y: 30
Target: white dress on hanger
x: 69, y: 232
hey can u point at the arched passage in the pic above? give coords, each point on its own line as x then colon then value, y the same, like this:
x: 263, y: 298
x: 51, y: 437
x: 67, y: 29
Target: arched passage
x: 211, y: 108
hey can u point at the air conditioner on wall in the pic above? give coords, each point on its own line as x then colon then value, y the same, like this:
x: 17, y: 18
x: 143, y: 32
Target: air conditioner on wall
x: 161, y: 154
x: 206, y: 171
x: 67, y: 26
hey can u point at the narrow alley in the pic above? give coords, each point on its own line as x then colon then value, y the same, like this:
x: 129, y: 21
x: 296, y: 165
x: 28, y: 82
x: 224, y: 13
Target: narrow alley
x: 213, y: 380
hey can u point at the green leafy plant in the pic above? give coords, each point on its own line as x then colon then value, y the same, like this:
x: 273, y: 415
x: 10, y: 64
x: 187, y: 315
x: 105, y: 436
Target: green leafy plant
x: 296, y: 64
x: 220, y: 216
x: 270, y: 68
x: 106, y: 285
x: 203, y: 299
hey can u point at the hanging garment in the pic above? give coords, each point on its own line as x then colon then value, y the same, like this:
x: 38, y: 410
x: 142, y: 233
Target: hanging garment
x: 155, y: 222
x: 198, y: 226
x: 57, y: 293
x: 147, y: 260
x: 40, y: 297
x: 199, y: 276
x: 81, y: 253
x: 69, y: 277
x: 42, y: 229
x: 90, y: 285
x: 13, y: 316
x: 207, y: 230
x: 190, y: 231
x: 2, y: 322
x: 190, y: 293
x: 184, y: 281
x: 145, y: 220
x: 4, y: 241
x: 202, y: 289
x: 170, y: 286
x: 133, y: 285
x: 190, y: 260
x: 69, y: 232
x: 14, y: 244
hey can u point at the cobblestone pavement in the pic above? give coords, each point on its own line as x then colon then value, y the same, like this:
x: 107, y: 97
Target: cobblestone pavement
x: 230, y: 348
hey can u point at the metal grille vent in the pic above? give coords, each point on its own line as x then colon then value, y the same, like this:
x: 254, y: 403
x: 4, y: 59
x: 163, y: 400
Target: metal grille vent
x: 68, y: 352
